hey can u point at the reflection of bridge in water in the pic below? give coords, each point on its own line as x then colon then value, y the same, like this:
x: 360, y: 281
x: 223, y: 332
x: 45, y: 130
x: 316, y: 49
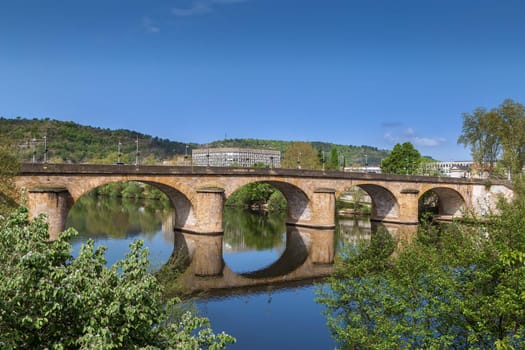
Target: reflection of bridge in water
x: 309, y: 255
x: 355, y: 229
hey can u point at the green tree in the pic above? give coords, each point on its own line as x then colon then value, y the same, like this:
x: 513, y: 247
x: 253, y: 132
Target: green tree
x: 333, y: 162
x: 132, y: 189
x: 459, y: 287
x: 404, y: 159
x: 479, y: 132
x: 9, y: 167
x: 511, y: 132
x: 277, y: 202
x: 498, y: 132
x: 300, y: 155
x: 259, y: 194
x: 52, y: 300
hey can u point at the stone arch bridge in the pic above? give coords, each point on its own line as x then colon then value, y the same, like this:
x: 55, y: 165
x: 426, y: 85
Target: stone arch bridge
x: 198, y: 193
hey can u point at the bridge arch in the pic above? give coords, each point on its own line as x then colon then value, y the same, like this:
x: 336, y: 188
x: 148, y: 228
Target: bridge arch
x: 449, y: 203
x: 184, y: 214
x: 299, y: 207
x: 184, y: 211
x: 385, y: 206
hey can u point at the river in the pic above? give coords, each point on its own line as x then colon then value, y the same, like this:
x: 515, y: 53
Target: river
x: 279, y: 316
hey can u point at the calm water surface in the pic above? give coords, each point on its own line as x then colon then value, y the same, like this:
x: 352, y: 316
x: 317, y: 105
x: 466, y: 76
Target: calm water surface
x: 278, y: 317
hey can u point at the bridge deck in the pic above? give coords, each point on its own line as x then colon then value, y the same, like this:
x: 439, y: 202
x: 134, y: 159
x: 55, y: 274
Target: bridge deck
x: 106, y: 169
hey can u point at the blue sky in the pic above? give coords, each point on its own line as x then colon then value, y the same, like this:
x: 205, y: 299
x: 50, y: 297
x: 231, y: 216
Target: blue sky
x: 367, y: 72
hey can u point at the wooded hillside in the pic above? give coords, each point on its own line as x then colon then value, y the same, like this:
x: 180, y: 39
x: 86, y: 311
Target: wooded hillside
x: 69, y: 142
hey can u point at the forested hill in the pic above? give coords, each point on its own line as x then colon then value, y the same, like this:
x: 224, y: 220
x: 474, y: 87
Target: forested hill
x: 69, y: 142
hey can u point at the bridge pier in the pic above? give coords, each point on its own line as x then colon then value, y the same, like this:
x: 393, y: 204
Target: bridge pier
x: 322, y: 249
x: 322, y: 210
x: 201, y: 238
x: 323, y: 205
x: 203, y: 252
x: 208, y: 204
x: 408, y: 200
x: 55, y: 203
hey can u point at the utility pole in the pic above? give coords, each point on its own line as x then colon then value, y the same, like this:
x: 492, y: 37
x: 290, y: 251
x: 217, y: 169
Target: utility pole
x: 208, y: 155
x: 137, y: 152
x: 118, y: 152
x: 33, y: 144
x: 45, y: 149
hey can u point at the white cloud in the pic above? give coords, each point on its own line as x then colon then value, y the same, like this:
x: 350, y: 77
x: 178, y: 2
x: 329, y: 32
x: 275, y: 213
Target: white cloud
x: 429, y: 142
x: 409, y: 134
x: 390, y: 138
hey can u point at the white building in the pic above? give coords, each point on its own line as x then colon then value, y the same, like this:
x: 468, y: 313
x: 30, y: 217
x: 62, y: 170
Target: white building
x: 236, y: 157
x: 452, y: 169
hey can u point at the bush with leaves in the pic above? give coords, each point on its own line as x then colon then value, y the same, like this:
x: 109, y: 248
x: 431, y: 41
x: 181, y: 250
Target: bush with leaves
x: 54, y: 301
x: 458, y: 287
x: 9, y: 167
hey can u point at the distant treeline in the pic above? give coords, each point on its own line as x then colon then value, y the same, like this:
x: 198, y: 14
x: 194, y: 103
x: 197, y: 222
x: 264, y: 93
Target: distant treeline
x: 69, y: 142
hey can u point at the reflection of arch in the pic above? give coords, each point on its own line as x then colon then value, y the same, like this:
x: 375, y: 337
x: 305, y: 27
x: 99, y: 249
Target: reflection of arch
x: 384, y: 203
x: 309, y: 254
x: 299, y: 207
x: 293, y: 256
x: 450, y: 202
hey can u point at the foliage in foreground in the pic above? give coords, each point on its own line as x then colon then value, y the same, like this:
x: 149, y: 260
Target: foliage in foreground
x: 52, y: 300
x: 9, y: 167
x: 461, y: 287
